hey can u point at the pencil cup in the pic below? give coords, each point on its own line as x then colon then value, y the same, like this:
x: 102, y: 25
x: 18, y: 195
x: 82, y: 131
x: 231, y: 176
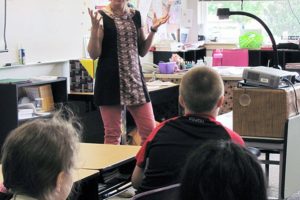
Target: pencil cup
x: 170, y: 67
x: 162, y: 67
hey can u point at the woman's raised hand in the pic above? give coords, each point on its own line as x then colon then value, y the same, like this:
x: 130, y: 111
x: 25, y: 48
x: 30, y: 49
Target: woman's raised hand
x: 156, y: 22
x: 95, y: 18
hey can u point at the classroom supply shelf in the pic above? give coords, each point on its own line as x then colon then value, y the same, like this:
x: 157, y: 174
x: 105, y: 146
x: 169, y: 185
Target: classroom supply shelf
x: 265, y: 57
x: 11, y: 90
x: 188, y: 55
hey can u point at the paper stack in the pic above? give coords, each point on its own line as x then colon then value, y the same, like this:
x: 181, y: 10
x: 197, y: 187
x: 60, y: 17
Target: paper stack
x: 25, y: 113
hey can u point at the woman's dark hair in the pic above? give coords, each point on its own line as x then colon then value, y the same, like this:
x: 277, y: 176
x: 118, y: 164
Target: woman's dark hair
x: 36, y: 152
x: 222, y: 170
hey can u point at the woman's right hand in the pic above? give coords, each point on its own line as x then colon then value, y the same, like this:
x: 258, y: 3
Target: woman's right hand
x: 95, y: 18
x: 95, y: 42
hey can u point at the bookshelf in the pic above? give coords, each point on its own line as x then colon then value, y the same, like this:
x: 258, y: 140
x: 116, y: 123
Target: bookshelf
x: 188, y: 55
x: 261, y: 57
x: 11, y: 90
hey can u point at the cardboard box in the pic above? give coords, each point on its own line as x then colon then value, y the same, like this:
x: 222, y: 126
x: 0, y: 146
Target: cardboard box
x: 263, y: 112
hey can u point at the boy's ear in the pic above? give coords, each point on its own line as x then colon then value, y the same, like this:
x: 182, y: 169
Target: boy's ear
x: 59, y: 181
x: 181, y: 101
x: 220, y: 101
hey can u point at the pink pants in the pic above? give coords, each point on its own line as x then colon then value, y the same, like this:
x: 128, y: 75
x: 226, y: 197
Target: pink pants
x: 111, y: 116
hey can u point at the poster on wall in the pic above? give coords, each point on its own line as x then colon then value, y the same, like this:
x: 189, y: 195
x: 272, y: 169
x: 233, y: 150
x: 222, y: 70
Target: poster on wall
x: 161, y: 8
x: 174, y: 11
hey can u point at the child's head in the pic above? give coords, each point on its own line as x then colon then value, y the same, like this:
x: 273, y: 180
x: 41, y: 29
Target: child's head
x: 223, y: 170
x: 38, y: 157
x: 201, y: 90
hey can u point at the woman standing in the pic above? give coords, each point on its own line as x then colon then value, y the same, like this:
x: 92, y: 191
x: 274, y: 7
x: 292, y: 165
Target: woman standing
x: 117, y: 39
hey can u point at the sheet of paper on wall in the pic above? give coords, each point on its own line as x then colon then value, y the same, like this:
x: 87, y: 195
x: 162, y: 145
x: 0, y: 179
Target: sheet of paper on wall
x: 174, y: 10
x: 186, y: 17
x: 144, y: 7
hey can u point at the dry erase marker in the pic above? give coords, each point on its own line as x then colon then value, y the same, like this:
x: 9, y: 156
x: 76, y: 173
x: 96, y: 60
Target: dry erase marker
x: 22, y: 56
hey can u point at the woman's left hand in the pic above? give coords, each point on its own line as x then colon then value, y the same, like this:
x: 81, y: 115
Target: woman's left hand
x: 156, y: 22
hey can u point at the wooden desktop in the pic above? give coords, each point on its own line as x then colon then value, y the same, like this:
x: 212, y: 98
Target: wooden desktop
x: 105, y: 156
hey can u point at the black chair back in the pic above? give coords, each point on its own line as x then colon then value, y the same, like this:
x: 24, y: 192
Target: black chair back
x: 163, y: 193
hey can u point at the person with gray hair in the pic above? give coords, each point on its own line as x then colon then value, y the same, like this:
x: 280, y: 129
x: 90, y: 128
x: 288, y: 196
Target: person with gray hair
x: 38, y: 158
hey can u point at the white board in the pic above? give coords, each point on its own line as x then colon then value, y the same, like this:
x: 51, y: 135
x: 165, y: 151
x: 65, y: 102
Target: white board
x: 2, y: 13
x: 48, y: 30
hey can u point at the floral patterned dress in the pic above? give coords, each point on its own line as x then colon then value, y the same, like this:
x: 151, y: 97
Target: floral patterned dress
x: 119, y: 77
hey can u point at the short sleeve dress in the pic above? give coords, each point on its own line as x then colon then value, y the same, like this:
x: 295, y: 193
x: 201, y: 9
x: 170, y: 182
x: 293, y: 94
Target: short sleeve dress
x: 119, y: 77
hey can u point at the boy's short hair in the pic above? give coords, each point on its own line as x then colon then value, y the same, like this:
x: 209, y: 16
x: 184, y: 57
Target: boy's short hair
x: 36, y: 152
x: 201, y: 88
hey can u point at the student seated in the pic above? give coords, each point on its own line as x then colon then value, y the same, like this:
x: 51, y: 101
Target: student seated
x: 38, y: 158
x: 161, y: 158
x: 223, y: 170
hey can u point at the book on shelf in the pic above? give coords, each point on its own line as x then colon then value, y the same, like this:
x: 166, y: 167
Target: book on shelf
x: 28, y: 111
x: 25, y: 113
x: 43, y: 93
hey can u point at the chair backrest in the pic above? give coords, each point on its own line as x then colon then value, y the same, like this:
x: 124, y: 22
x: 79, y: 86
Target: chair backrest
x: 163, y: 193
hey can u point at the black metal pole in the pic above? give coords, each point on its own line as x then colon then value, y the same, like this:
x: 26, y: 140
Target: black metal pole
x: 275, y: 52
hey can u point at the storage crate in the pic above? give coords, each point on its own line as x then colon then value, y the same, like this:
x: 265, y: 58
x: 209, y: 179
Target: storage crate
x: 263, y: 112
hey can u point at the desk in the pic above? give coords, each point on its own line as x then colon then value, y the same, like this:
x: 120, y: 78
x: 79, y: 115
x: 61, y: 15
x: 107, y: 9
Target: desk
x: 85, y: 185
x: 164, y: 100
x: 115, y: 164
x: 158, y: 95
x: 287, y: 147
x: 230, y: 76
x: 105, y: 156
